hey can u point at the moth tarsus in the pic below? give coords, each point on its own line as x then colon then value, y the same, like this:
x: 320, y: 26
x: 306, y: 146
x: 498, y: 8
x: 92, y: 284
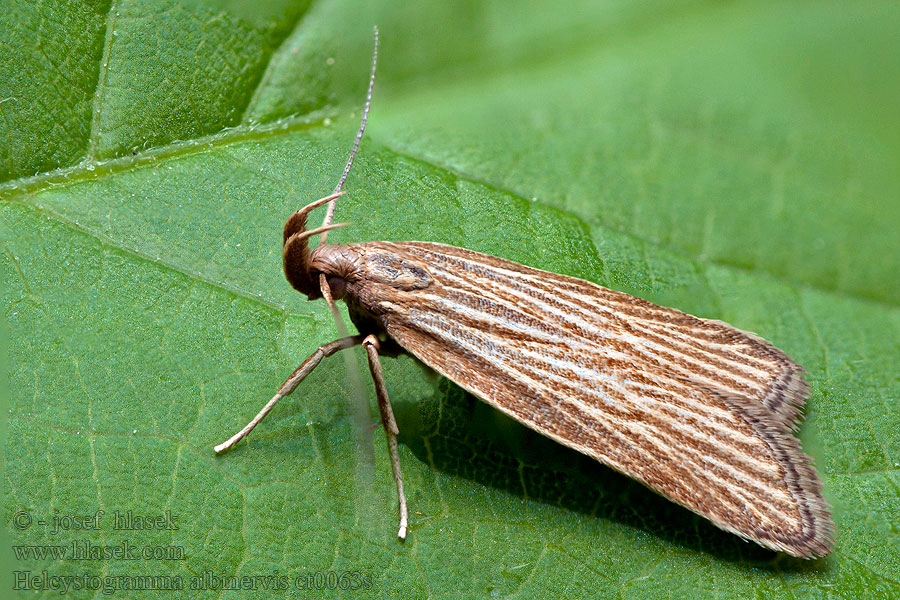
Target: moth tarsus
x: 697, y: 410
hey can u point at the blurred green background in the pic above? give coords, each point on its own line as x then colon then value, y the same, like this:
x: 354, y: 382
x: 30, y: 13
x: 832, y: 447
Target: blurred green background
x: 736, y: 160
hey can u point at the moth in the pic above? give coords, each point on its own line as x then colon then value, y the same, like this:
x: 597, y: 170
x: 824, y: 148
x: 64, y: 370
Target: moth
x: 696, y: 409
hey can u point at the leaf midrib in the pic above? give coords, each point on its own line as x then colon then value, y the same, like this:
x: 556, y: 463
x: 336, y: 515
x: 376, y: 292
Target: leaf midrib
x: 24, y: 189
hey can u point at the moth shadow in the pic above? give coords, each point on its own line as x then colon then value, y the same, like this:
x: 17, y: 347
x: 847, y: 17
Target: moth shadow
x: 460, y: 435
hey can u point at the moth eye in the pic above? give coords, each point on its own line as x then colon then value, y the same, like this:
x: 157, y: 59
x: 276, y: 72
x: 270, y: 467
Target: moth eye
x: 338, y: 287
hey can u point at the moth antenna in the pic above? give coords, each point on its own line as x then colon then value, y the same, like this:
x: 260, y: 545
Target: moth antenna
x: 329, y: 215
x: 360, y: 404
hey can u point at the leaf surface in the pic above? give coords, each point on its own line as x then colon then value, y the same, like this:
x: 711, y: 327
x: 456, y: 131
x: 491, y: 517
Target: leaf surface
x: 734, y: 161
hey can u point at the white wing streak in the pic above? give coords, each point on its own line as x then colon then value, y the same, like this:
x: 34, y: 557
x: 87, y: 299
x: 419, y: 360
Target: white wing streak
x: 694, y: 422
x: 665, y: 350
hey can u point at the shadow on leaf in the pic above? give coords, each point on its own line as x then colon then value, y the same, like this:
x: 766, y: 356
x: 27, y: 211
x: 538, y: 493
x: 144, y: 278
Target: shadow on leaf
x: 467, y: 438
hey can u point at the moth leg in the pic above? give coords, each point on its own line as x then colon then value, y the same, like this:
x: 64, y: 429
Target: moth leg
x: 372, y: 345
x: 292, y: 382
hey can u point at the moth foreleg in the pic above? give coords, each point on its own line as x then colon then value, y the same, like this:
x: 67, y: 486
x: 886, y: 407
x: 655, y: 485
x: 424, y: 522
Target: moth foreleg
x: 372, y: 345
x: 292, y: 382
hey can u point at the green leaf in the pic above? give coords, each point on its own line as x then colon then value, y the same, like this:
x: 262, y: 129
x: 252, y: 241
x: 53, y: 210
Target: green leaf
x: 736, y: 161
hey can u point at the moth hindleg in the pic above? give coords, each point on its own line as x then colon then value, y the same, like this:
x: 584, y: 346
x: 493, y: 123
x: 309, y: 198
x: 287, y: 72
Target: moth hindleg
x: 371, y: 344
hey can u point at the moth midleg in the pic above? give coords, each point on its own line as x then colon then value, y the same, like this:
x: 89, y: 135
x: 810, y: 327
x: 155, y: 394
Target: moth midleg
x: 372, y: 345
x: 291, y: 383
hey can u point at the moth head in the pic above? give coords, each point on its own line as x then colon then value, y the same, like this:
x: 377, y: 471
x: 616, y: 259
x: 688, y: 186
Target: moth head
x: 295, y: 248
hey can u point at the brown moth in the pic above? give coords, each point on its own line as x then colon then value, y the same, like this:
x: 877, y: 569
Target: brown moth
x: 697, y: 410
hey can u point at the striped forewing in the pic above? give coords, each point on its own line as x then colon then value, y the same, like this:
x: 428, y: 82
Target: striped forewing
x: 697, y: 410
